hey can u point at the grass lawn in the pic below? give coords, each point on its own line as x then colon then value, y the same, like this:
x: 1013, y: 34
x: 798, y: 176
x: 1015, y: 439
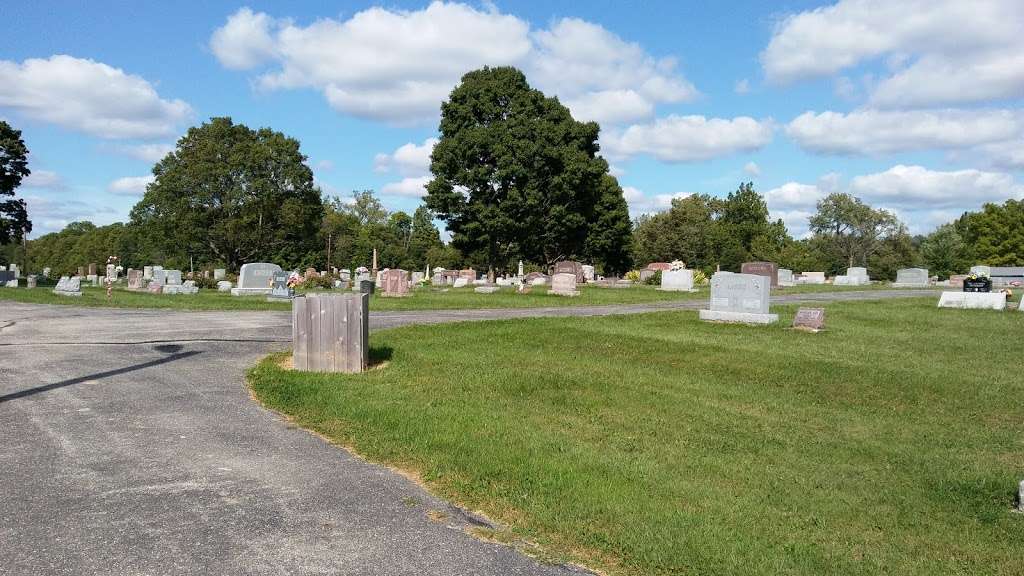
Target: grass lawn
x: 421, y: 299
x: 657, y: 444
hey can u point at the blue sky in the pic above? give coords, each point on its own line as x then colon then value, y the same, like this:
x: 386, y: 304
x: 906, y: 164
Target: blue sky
x: 914, y: 106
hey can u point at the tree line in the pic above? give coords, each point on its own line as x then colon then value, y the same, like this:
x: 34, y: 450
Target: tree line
x: 515, y: 177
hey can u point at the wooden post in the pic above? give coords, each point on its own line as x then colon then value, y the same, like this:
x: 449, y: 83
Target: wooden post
x: 330, y: 332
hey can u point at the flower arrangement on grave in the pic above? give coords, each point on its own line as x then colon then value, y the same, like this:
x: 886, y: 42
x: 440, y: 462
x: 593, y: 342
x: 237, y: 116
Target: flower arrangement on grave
x: 677, y: 265
x: 294, y: 279
x: 107, y: 279
x: 633, y: 275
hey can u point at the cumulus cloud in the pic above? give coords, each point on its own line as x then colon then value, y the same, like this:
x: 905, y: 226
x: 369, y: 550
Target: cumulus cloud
x: 89, y: 97
x: 399, y: 65
x: 43, y: 179
x: 130, y: 185
x: 742, y: 86
x: 751, y: 169
x: 916, y: 187
x: 922, y: 198
x: 413, y: 187
x: 639, y: 203
x: 880, y: 132
x: 408, y: 159
x: 49, y: 215
x: 152, y: 153
x: 689, y: 138
x: 937, y: 52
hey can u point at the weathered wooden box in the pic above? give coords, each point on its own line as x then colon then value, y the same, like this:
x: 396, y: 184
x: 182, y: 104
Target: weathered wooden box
x: 330, y: 332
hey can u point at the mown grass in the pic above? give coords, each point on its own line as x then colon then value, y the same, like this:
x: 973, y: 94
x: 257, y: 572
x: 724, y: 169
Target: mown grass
x: 657, y: 444
x: 421, y: 298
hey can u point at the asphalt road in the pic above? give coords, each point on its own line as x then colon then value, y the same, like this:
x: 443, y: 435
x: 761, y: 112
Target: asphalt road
x: 129, y: 445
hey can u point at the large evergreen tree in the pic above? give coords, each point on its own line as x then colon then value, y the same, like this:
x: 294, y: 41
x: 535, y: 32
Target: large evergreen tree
x: 14, y: 220
x: 229, y: 194
x: 515, y: 176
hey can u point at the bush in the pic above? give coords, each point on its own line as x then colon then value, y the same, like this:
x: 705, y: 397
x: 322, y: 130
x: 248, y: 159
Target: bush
x: 316, y: 282
x: 207, y: 283
x: 633, y: 275
x: 699, y: 278
x: 654, y: 279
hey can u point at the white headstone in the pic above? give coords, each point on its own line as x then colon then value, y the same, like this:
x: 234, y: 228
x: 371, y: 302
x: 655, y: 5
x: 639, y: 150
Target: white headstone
x: 461, y: 282
x: 588, y: 273
x: 739, y: 298
x: 911, y: 278
x: 811, y: 278
x: 677, y: 281
x: 973, y: 300
x: 173, y: 277
x: 563, y: 284
x: 219, y: 273
x: 69, y: 286
x: 981, y: 269
x: 255, y: 278
x: 224, y: 286
x: 786, y: 277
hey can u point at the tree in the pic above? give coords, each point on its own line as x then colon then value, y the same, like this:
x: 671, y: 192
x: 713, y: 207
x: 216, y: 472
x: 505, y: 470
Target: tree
x: 995, y: 235
x: 230, y: 194
x: 14, y: 222
x: 944, y: 252
x: 424, y: 238
x: 610, y: 240
x: 515, y: 176
x: 852, y: 230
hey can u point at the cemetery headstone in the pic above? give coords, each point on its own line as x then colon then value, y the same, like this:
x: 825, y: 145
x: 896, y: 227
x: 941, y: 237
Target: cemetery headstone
x: 571, y: 267
x: 6, y: 277
x: 30, y: 282
x: 486, y: 289
x: 812, y: 319
x: 957, y: 280
x: 469, y: 274
x: 69, y: 286
x: 785, y: 277
x: 739, y: 298
x: 81, y: 270
x: 417, y: 277
x: 658, y: 266
x: 588, y: 273
x: 858, y: 276
x: 173, y: 277
x: 366, y: 286
x: 437, y: 280
x: 461, y: 282
x: 563, y: 284
x: 1007, y: 276
x: 189, y: 287
x: 46, y: 272
x: 395, y: 283
x: 677, y: 281
x: 219, y: 273
x: 134, y: 279
x: 973, y: 300
x: 977, y: 283
x: 812, y: 278
x: 92, y: 269
x: 279, y: 289
x: 981, y: 269
x: 147, y: 272
x: 255, y: 278
x: 330, y: 332
x: 223, y: 286
x: 911, y: 278
x: 769, y: 270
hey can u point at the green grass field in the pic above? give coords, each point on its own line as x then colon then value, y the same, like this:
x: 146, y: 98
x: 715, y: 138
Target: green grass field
x: 421, y: 298
x: 657, y: 444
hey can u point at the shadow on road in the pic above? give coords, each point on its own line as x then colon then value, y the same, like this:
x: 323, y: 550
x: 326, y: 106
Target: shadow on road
x: 101, y: 375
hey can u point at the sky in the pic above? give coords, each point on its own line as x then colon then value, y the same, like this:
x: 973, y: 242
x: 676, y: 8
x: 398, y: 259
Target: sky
x: 914, y: 106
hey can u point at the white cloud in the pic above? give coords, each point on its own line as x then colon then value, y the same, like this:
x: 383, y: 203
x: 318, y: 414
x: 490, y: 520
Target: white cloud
x: 639, y: 203
x: 130, y: 185
x: 399, y: 65
x: 43, y: 179
x: 414, y: 187
x: 879, y: 132
x: 325, y: 165
x: 245, y: 41
x: 616, y: 171
x: 601, y: 76
x: 938, y: 52
x: 751, y: 169
x: 408, y: 159
x: 915, y: 187
x: 793, y: 195
x: 50, y: 215
x: 742, y: 87
x: 89, y: 97
x: 922, y: 198
x: 689, y: 138
x: 1008, y: 155
x: 152, y: 153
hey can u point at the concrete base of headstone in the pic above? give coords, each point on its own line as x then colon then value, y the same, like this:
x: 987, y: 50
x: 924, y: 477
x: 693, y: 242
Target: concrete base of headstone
x: 908, y: 285
x: 250, y: 291
x: 224, y: 286
x: 973, y: 300
x: 486, y: 289
x: 572, y: 293
x: 330, y: 332
x: 12, y: 283
x: 738, y: 317
x: 460, y: 283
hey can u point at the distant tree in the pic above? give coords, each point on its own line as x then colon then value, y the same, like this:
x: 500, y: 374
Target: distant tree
x: 367, y: 209
x: 515, y: 176
x: 851, y: 229
x: 231, y: 194
x: 424, y: 239
x: 995, y: 235
x: 944, y: 252
x: 14, y: 220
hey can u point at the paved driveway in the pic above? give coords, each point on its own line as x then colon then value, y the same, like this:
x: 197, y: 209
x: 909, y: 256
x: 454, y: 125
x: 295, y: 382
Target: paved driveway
x: 129, y: 445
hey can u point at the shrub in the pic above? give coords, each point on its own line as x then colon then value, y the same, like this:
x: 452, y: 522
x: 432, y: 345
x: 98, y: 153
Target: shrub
x: 654, y: 279
x: 699, y: 278
x: 633, y: 275
x: 204, y: 283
